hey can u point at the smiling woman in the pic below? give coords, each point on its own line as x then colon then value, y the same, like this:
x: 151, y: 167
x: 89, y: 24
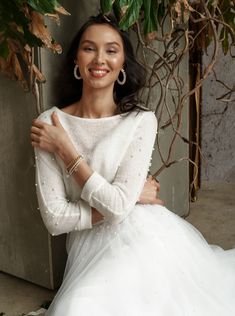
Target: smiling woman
x: 111, y: 44
x: 127, y: 255
x: 100, y: 55
x: 100, y: 58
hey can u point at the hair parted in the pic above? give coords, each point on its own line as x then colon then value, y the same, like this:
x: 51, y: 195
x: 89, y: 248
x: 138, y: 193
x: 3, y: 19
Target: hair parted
x: 125, y: 96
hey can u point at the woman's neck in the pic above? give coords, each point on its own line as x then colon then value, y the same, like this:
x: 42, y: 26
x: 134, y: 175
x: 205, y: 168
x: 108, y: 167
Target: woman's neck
x: 96, y: 104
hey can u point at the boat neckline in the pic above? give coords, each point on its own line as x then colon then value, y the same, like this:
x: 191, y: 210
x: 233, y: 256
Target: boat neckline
x: 105, y: 118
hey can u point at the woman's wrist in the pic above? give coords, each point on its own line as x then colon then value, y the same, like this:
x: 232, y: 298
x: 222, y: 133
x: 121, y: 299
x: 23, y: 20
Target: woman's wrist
x: 67, y: 154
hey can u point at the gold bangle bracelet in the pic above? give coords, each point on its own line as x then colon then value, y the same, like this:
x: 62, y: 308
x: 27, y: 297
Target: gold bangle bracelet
x: 73, y: 165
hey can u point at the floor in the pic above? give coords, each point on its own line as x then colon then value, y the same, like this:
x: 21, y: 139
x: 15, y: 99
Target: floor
x: 213, y: 214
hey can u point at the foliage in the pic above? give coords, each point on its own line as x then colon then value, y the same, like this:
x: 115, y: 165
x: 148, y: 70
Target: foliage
x: 152, y: 12
x: 22, y: 28
x: 167, y: 31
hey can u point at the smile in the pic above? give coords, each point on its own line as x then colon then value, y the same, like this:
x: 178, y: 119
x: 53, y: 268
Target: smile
x: 98, y: 73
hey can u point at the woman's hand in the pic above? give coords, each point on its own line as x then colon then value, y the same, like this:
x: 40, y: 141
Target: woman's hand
x: 147, y: 196
x: 96, y: 216
x: 149, y: 192
x: 52, y: 138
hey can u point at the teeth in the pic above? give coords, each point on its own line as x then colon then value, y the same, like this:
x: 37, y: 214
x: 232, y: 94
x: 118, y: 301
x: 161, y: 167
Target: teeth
x: 99, y: 71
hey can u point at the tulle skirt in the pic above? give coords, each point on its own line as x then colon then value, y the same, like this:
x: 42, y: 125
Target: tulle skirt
x: 154, y: 263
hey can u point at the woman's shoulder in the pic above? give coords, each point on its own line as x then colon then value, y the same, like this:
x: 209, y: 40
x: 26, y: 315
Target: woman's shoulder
x: 145, y: 115
x: 45, y: 116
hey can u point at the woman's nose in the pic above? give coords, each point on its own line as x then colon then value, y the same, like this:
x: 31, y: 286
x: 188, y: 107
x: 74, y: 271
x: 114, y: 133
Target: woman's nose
x: 99, y: 58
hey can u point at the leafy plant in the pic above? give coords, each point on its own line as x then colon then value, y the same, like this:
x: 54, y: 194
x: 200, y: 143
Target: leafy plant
x: 151, y: 14
x: 22, y: 28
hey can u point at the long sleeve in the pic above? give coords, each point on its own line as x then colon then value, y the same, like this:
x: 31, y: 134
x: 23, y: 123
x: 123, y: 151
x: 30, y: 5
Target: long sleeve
x: 115, y: 200
x: 60, y: 215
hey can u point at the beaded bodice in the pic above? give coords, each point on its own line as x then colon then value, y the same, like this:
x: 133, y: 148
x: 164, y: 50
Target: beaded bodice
x: 117, y: 148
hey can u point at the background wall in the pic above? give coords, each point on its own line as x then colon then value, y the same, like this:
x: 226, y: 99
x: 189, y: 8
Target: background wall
x: 24, y: 250
x: 218, y: 123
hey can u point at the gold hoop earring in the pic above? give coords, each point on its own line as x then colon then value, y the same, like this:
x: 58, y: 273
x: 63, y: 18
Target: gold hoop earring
x: 75, y: 73
x: 123, y: 81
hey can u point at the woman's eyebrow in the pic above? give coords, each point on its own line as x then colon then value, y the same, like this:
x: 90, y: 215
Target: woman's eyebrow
x: 108, y: 43
x: 113, y: 43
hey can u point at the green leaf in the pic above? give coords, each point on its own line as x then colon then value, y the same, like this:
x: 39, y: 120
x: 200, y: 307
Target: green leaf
x: 150, y: 13
x: 4, y: 51
x: 106, y: 5
x: 225, y: 43
x: 43, y: 6
x: 161, y: 10
x: 131, y: 15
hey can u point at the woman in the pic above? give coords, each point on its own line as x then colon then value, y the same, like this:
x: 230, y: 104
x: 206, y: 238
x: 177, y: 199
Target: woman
x: 124, y: 257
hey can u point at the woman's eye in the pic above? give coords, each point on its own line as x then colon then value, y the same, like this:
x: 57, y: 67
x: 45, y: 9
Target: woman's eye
x: 112, y: 51
x: 88, y: 49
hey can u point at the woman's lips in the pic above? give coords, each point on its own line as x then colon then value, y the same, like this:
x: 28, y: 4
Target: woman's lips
x: 98, y: 73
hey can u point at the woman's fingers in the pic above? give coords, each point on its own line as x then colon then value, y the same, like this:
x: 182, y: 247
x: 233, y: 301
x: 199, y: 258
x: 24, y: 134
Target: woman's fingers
x: 55, y: 120
x: 35, y: 130
x: 38, y: 123
x: 35, y: 137
x: 159, y: 202
x: 157, y: 185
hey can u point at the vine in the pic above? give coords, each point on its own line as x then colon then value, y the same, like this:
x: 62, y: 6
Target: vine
x: 184, y: 28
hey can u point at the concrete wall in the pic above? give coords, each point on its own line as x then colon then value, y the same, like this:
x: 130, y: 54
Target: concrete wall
x: 218, y: 123
x: 25, y: 246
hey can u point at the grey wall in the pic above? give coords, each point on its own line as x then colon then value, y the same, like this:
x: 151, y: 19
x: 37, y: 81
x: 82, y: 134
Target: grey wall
x: 218, y: 123
x: 24, y: 250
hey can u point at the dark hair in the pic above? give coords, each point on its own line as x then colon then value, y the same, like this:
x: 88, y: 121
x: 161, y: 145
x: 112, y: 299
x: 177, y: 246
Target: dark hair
x: 125, y: 96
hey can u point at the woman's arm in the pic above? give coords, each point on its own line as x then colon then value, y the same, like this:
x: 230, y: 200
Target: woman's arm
x: 114, y: 200
x: 59, y: 213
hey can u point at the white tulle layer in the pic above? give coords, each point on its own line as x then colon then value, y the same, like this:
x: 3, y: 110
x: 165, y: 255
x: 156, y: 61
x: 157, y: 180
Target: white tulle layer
x: 152, y: 264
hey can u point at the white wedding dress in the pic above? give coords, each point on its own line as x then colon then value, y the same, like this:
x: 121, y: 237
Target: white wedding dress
x: 142, y: 260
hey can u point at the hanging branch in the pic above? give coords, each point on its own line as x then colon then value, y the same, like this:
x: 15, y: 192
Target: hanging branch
x: 158, y: 21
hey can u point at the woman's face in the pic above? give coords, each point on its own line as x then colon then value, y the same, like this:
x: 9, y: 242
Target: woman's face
x: 100, y: 56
